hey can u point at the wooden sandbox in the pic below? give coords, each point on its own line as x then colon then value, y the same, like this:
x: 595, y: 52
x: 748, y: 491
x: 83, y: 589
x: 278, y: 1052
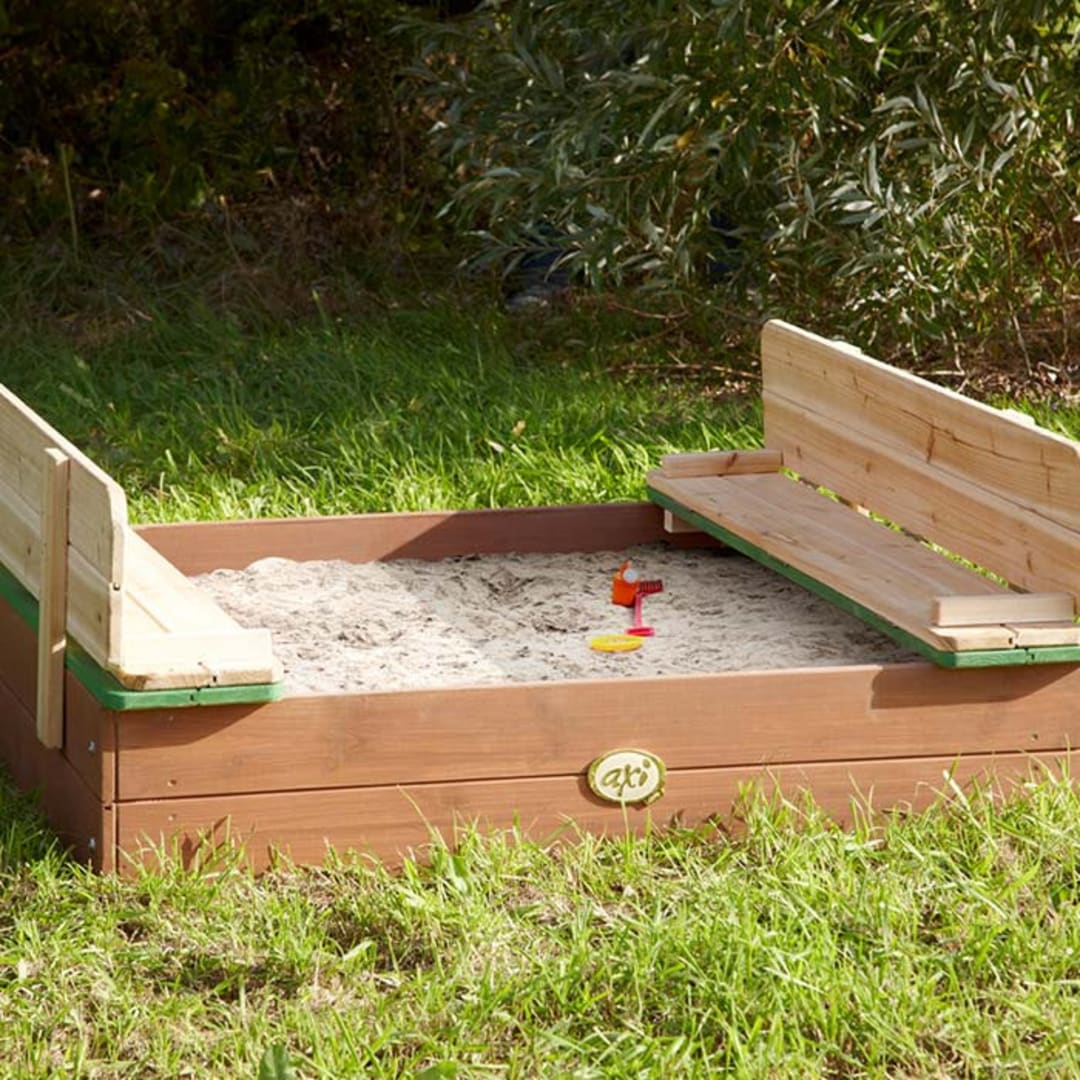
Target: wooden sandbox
x: 166, y: 722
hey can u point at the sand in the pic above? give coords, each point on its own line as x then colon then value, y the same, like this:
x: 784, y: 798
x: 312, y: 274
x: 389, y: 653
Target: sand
x: 475, y: 620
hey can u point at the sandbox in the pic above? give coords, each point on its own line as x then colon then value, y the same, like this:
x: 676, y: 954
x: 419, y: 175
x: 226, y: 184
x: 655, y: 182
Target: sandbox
x: 178, y: 725
x: 373, y: 772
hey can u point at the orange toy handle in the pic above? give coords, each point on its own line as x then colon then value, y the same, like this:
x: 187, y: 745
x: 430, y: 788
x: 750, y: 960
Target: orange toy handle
x: 624, y: 586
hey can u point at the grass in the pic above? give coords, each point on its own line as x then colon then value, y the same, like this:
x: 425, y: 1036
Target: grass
x: 943, y: 944
x: 203, y: 414
x: 946, y: 944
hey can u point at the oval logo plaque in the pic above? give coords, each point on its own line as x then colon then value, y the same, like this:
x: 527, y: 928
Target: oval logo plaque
x: 627, y: 777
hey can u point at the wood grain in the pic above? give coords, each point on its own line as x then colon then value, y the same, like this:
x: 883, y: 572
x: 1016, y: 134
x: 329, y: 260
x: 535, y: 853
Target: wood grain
x: 673, y: 524
x: 722, y: 463
x: 1015, y: 460
x: 1026, y: 549
x: 879, y: 568
x: 52, y: 606
x: 90, y: 745
x: 747, y: 718
x: 97, y: 512
x: 18, y: 656
x: 979, y: 610
x: 389, y: 822
x: 197, y: 548
x: 76, y: 813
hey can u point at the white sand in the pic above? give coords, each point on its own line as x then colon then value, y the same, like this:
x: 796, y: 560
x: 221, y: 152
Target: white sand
x: 475, y: 620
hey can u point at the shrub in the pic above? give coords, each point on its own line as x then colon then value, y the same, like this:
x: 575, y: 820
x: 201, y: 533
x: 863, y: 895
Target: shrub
x: 904, y: 174
x: 118, y: 109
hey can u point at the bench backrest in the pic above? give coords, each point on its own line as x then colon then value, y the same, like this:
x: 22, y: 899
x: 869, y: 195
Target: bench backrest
x: 985, y: 484
x: 96, y: 526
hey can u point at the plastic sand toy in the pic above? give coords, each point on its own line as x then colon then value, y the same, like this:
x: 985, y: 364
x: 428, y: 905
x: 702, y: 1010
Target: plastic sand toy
x: 628, y: 590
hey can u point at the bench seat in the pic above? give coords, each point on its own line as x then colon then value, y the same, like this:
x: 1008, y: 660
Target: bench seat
x: 993, y: 488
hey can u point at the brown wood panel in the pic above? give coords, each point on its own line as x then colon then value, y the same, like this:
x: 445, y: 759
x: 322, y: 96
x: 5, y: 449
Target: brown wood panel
x: 1016, y: 460
x: 1023, y: 547
x: 197, y: 548
x: 85, y: 721
x: 390, y: 821
x: 71, y: 807
x: 555, y: 728
x: 90, y: 739
x: 18, y: 656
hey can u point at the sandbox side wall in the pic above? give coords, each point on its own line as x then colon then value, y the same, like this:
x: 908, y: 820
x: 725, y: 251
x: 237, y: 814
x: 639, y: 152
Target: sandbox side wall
x: 374, y: 772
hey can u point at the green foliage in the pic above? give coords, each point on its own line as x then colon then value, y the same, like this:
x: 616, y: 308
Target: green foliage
x: 155, y: 109
x: 905, y: 173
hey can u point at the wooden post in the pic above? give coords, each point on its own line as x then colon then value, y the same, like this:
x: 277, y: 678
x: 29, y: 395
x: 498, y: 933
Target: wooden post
x: 52, y: 603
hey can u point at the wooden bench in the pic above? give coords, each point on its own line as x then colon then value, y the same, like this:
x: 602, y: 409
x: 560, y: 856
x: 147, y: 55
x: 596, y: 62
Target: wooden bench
x: 99, y: 595
x: 945, y: 478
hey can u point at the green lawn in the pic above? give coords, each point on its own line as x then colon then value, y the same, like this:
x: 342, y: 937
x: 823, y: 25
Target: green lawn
x: 943, y: 945
x: 393, y: 410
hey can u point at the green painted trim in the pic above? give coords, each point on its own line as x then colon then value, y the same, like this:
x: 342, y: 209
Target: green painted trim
x: 110, y: 692
x: 980, y: 658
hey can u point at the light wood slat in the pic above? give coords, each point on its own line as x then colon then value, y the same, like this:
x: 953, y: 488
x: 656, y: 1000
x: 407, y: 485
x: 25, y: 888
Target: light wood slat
x: 89, y: 592
x: 52, y: 611
x: 97, y: 511
x: 877, y: 567
x: 722, y: 463
x: 177, y: 636
x: 1040, y: 635
x: 198, y: 658
x: 163, y: 599
x: 966, y: 638
x: 1024, y: 548
x: 132, y: 612
x: 1026, y: 465
x: 98, y: 503
x: 980, y: 610
x: 676, y: 525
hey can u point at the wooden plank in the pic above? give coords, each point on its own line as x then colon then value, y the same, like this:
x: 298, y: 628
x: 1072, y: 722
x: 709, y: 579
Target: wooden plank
x: 198, y: 658
x: 1042, y: 635
x: 97, y: 511
x: 722, y: 463
x: 52, y: 609
x: 673, y: 524
x: 81, y: 820
x: 98, y: 503
x: 18, y: 656
x: 197, y: 548
x: 164, y: 599
x: 1026, y: 549
x: 174, y: 635
x: 731, y: 718
x: 90, y: 743
x: 1023, y: 464
x: 970, y: 638
x: 879, y: 568
x: 390, y: 822
x: 980, y: 610
x: 90, y: 596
